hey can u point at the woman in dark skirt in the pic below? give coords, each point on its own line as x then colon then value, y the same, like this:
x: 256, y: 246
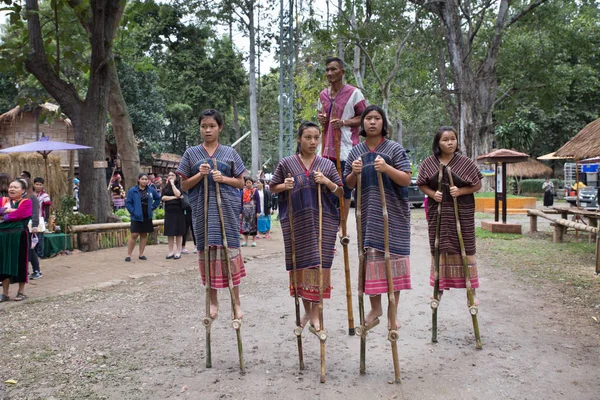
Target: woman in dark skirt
x: 175, y: 223
x: 15, y: 212
x: 142, y: 200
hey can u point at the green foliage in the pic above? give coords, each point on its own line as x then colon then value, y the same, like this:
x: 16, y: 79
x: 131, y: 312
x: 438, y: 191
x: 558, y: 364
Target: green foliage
x: 123, y: 215
x: 159, y: 213
x: 534, y: 186
x: 66, y: 217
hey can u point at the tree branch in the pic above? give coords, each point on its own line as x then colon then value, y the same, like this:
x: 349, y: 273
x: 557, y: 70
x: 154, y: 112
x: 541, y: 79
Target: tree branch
x: 37, y: 64
x: 524, y: 11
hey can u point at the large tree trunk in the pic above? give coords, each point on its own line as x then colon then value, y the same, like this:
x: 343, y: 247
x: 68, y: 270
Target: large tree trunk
x: 121, y: 122
x: 89, y: 116
x: 90, y: 130
x: 475, y: 83
x: 253, y: 103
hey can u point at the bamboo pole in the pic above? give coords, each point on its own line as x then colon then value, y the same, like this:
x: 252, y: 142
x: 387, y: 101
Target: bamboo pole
x: 392, y: 331
x: 207, y: 321
x: 470, y: 296
x: 345, y: 240
x: 298, y: 330
x: 435, y: 302
x: 236, y: 323
x: 361, y: 276
x: 322, y: 326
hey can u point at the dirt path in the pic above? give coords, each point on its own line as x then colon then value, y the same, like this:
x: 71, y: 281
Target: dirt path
x: 142, y: 338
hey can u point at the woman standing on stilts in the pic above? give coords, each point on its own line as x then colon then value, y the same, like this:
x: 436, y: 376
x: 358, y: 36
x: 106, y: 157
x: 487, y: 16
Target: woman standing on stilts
x: 195, y: 166
x: 467, y: 180
x: 377, y: 154
x: 308, y: 171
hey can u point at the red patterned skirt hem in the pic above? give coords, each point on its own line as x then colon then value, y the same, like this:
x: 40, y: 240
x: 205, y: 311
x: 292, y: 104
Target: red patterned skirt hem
x: 308, y: 283
x: 219, y: 278
x: 452, y: 274
x: 375, y: 275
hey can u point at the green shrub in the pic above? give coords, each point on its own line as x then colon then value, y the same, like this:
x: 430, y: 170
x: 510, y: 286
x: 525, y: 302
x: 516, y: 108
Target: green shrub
x: 159, y: 213
x: 123, y: 215
x: 534, y: 186
x: 66, y: 217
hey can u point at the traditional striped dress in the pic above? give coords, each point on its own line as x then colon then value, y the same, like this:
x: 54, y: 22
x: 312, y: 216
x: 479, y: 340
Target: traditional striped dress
x: 396, y: 198
x: 230, y: 164
x: 306, y: 224
x: 464, y: 173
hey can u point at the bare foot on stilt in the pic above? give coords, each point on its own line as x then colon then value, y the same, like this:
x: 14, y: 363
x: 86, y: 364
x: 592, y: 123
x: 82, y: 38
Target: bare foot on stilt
x: 314, y: 317
x: 214, y: 310
x: 397, y: 323
x: 475, y: 300
x: 372, y: 316
x: 440, y: 293
x: 238, y: 312
x: 304, y: 319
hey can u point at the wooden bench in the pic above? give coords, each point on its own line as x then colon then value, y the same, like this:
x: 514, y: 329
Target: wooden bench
x: 105, y: 236
x: 560, y: 227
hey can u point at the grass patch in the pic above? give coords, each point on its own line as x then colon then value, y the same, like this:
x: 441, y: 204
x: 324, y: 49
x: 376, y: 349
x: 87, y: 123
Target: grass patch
x: 567, y: 266
x: 481, y: 233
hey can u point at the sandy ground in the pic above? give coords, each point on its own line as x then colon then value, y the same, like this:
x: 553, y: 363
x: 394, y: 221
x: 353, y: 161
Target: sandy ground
x: 134, y: 332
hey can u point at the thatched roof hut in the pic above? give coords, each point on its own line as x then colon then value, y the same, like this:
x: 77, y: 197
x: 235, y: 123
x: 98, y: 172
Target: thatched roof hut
x: 585, y: 144
x: 528, y: 169
x: 25, y: 125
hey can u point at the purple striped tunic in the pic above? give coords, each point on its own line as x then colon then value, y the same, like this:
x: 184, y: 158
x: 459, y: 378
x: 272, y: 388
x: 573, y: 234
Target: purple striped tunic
x: 464, y: 173
x: 230, y: 164
x: 396, y: 197
x: 306, y: 212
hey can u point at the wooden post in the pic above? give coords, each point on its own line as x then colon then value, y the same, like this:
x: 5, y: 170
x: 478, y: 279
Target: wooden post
x: 532, y: 223
x: 593, y: 222
x: 558, y: 233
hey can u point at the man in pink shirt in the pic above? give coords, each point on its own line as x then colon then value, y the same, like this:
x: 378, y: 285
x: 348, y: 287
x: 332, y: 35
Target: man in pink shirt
x: 341, y: 106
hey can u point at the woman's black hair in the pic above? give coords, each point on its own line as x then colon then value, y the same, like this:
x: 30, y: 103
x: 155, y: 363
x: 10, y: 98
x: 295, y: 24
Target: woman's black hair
x: 435, y: 147
x: 248, y: 178
x: 22, y: 182
x: 140, y: 176
x: 384, y: 127
x: 304, y: 126
x: 211, y: 113
x: 167, y: 180
x: 38, y: 179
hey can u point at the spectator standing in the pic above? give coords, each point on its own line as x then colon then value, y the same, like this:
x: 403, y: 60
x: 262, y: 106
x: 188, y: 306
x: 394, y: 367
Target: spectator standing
x: 174, y: 215
x: 250, y: 211
x: 187, y: 209
x: 15, y: 212
x: 264, y: 219
x: 36, y: 224
x: 45, y: 203
x: 117, y: 193
x: 142, y: 200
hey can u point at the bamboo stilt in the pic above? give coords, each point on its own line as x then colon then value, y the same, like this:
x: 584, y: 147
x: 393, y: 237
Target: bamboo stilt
x: 470, y: 295
x: 207, y: 321
x: 435, y: 302
x: 322, y: 326
x: 298, y: 330
x: 236, y: 323
x: 392, y: 333
x: 362, y: 332
x: 344, y: 239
